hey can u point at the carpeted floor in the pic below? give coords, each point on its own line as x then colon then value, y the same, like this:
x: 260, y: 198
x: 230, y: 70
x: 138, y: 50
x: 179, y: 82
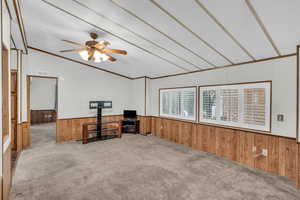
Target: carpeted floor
x: 137, y: 168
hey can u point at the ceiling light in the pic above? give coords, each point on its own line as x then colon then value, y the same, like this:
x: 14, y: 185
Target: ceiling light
x: 84, y: 55
x: 93, y: 50
x: 99, y: 57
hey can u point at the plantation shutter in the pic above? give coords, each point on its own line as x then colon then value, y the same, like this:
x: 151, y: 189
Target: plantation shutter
x: 237, y: 105
x: 254, y: 106
x: 209, y: 101
x: 178, y: 103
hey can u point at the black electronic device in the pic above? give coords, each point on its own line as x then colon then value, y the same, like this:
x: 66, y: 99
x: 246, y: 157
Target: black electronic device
x: 130, y: 124
x: 129, y: 114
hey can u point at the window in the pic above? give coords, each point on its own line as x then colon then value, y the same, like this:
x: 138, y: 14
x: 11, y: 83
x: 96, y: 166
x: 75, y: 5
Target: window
x: 178, y: 103
x: 237, y: 105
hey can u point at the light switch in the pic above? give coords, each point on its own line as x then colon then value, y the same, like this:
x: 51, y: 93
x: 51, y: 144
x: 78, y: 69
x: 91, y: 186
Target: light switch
x: 280, y: 117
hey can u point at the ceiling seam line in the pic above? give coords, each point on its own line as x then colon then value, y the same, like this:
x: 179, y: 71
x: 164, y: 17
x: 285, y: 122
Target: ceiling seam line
x: 170, y: 62
x: 191, y: 31
x: 224, y: 29
x: 137, y: 34
x: 156, y: 29
x: 262, y: 26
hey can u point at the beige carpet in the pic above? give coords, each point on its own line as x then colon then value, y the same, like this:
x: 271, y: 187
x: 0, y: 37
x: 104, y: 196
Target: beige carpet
x: 137, y: 168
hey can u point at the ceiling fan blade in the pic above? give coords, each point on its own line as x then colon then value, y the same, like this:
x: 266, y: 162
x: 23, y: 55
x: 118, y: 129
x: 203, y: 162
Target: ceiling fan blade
x: 75, y: 43
x: 114, y: 51
x: 73, y: 50
x: 102, y: 44
x: 112, y: 59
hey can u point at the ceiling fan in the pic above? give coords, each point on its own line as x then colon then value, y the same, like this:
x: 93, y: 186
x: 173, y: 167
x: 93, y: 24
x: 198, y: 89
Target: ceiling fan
x: 93, y: 50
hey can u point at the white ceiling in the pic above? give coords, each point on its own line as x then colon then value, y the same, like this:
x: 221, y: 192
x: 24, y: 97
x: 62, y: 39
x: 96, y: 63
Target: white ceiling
x: 165, y: 37
x: 15, y: 31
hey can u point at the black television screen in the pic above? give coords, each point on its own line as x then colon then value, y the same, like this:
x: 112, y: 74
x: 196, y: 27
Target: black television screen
x: 129, y: 113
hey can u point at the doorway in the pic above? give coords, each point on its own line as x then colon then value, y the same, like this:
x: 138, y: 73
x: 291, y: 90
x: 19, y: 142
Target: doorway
x: 16, y: 142
x: 42, y: 98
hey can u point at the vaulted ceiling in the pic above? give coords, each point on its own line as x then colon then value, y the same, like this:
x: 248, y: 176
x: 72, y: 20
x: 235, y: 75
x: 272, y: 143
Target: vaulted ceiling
x: 165, y: 37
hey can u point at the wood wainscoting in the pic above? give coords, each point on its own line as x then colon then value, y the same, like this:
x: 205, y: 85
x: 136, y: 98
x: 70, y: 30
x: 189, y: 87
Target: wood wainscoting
x: 234, y: 145
x: 26, y: 138
x: 19, y: 137
x: 145, y: 124
x: 71, y: 128
x: 7, y: 173
x: 42, y: 116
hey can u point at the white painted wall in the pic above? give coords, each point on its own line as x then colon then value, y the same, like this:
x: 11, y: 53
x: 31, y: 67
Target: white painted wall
x: 282, y: 72
x: 14, y: 59
x: 77, y: 85
x: 148, y: 97
x: 42, y: 93
x: 138, y: 96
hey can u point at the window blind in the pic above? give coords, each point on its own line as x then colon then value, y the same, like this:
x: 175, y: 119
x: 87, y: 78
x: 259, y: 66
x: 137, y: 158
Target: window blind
x: 209, y: 103
x: 239, y: 105
x: 178, y: 103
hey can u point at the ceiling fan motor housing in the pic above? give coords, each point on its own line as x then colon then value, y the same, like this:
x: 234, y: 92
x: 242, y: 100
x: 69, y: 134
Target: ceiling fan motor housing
x: 94, y: 36
x: 91, y: 43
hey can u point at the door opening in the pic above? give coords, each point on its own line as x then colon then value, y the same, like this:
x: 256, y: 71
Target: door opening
x: 42, y: 109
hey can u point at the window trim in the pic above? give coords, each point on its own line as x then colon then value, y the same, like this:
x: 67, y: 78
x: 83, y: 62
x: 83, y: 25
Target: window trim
x: 236, y: 127
x: 179, y: 118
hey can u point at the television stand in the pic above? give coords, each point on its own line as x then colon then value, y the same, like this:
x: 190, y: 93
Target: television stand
x: 109, y: 130
x: 131, y: 126
x: 101, y: 130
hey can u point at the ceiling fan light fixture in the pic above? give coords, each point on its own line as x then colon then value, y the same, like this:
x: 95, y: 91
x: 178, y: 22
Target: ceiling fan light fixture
x: 84, y: 55
x: 100, y: 57
x: 93, y: 50
x: 105, y: 57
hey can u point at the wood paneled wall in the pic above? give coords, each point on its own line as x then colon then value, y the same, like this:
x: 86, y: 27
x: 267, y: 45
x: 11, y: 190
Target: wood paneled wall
x: 42, y: 116
x: 19, y: 137
x: 7, y: 175
x: 71, y: 129
x: 234, y: 145
x: 1, y: 186
x: 145, y: 124
x: 298, y: 182
x: 26, y: 137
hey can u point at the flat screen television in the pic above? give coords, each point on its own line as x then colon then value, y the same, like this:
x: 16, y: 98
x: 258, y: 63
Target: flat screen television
x: 129, y: 114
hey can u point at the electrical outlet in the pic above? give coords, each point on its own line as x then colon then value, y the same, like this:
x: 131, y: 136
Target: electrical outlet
x: 265, y: 152
x: 254, y: 149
